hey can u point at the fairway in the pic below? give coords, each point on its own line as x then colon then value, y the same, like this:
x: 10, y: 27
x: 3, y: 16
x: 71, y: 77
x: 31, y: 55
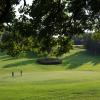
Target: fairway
x: 78, y: 78
x: 49, y: 49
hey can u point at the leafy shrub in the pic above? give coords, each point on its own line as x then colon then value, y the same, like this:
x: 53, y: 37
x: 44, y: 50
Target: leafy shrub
x: 92, y: 43
x: 96, y: 37
x: 78, y: 39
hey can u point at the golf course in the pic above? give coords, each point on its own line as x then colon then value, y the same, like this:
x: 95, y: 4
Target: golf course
x: 49, y: 49
x: 77, y: 78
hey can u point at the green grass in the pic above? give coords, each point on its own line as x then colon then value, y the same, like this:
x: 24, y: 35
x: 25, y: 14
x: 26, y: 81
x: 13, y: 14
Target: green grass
x: 78, y: 78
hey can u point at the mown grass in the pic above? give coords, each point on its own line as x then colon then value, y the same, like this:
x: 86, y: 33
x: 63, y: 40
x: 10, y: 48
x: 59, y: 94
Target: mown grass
x: 78, y: 78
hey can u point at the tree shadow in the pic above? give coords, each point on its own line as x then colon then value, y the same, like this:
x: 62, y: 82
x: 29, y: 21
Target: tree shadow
x: 70, y: 62
x: 29, y: 55
x: 7, y: 59
x: 19, y: 64
x: 80, y: 58
x: 3, y: 57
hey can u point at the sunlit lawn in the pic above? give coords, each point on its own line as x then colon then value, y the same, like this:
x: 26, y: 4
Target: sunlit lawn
x: 78, y: 78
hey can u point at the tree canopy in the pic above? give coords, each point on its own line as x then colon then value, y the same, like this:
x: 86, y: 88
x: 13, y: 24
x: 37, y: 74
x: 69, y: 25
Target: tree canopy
x: 51, y: 23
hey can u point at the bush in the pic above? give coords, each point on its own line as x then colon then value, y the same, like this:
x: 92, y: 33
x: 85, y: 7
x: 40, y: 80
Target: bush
x: 49, y: 61
x: 78, y: 39
x: 92, y: 43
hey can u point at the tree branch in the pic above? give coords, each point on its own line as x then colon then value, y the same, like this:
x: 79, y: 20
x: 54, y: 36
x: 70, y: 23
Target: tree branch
x: 24, y: 2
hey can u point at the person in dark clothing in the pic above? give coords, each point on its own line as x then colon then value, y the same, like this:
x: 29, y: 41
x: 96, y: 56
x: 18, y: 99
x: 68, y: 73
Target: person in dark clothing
x: 21, y: 72
x: 12, y: 74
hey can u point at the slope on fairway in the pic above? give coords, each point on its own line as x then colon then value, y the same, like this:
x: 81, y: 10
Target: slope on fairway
x: 78, y: 78
x: 77, y: 59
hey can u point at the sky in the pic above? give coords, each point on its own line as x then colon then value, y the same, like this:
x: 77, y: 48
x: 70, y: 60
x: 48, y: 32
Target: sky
x: 21, y: 4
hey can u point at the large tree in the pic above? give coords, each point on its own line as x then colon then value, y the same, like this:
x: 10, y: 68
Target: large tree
x: 49, y: 19
x: 54, y: 18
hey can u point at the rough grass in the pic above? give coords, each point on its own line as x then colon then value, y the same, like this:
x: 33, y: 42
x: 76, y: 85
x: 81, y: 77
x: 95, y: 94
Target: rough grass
x: 78, y: 78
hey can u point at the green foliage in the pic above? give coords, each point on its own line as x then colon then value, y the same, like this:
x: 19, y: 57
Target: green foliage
x: 96, y: 37
x: 93, y: 43
x: 48, y: 18
x: 7, y: 11
x: 14, y: 44
x: 64, y: 45
x: 78, y: 39
x: 85, y: 13
x: 43, y: 25
x: 8, y: 44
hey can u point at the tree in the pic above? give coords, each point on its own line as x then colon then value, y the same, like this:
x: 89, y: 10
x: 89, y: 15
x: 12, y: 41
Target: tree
x: 92, y: 43
x: 7, y: 10
x: 86, y: 13
x: 53, y: 18
x: 49, y: 19
x: 14, y: 40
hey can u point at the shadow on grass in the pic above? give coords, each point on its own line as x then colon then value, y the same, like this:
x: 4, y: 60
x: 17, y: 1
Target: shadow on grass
x: 70, y: 62
x: 20, y: 63
x: 78, y: 59
x: 12, y: 61
x: 5, y: 57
